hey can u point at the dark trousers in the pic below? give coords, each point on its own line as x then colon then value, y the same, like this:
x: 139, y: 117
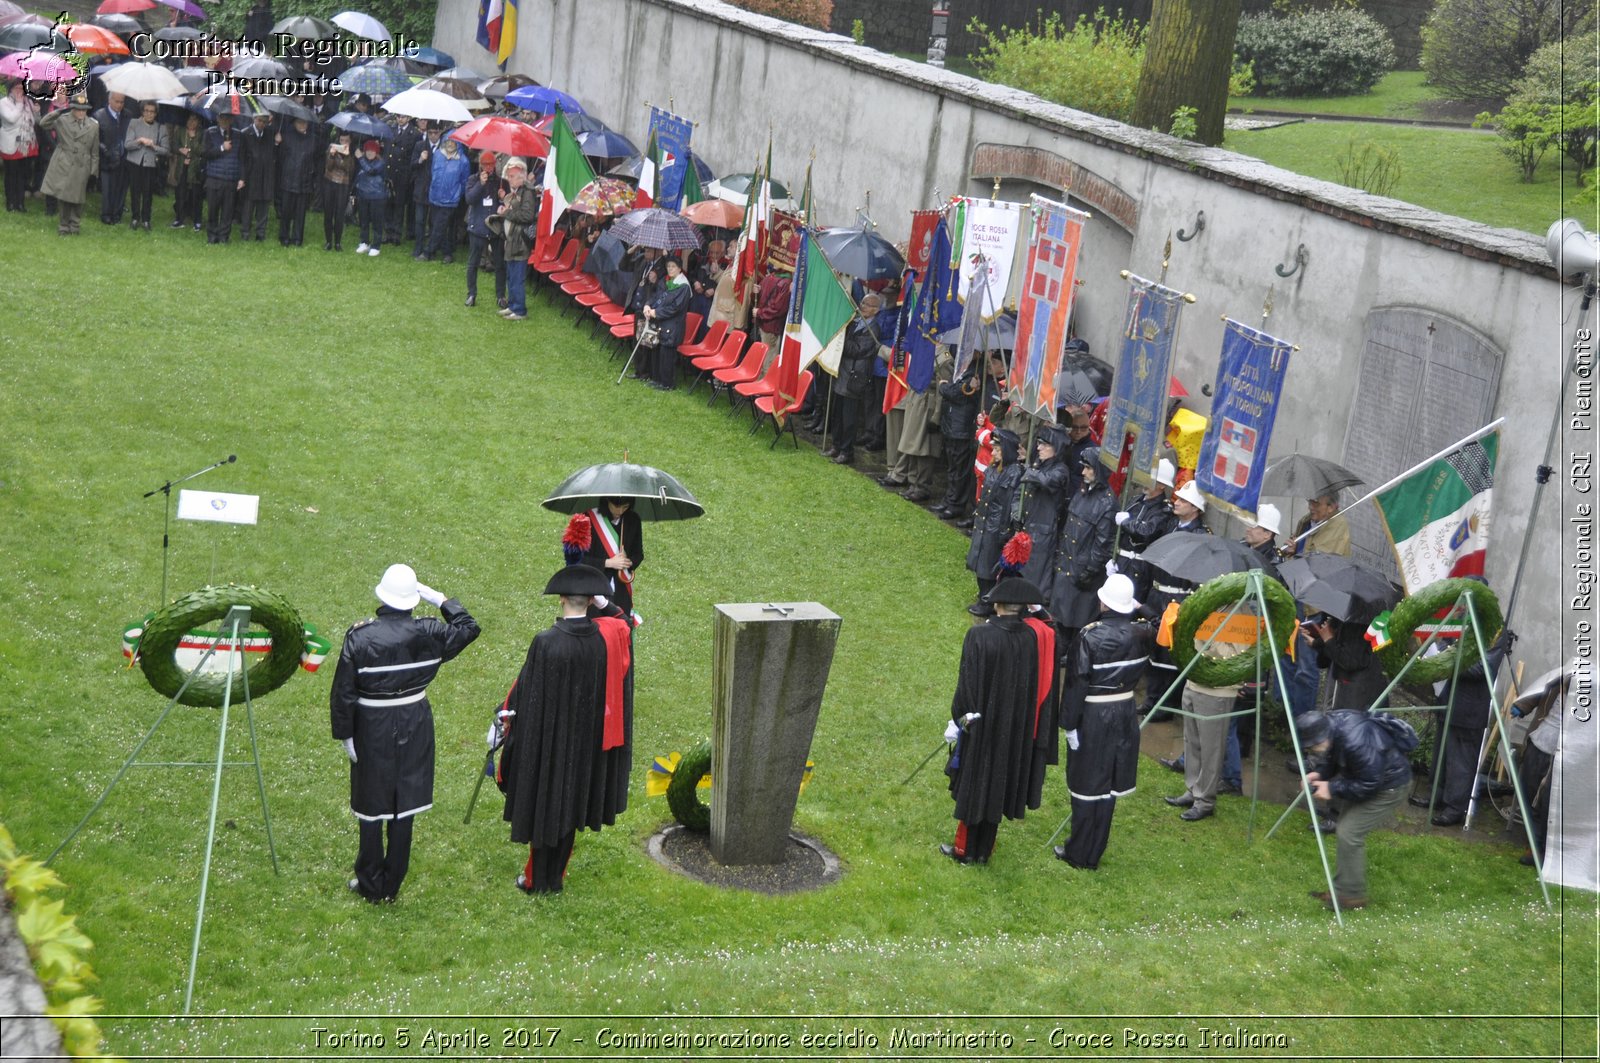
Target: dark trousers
x: 1459, y: 748
x: 443, y: 223
x: 255, y: 218
x: 847, y: 418
x: 113, y: 190
x: 18, y: 173
x: 486, y: 253
x: 397, y: 221
x: 142, y: 184
x: 219, y: 208
x: 379, y: 873
x: 371, y: 213
x: 1091, y: 831
x: 292, y: 217
x: 664, y: 365
x: 1533, y: 771
x: 423, y: 232
x: 961, y: 483
x: 547, y: 865
x: 186, y: 201
x: 333, y: 200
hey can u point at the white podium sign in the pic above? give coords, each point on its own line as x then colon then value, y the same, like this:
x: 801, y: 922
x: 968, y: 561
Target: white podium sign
x: 218, y: 506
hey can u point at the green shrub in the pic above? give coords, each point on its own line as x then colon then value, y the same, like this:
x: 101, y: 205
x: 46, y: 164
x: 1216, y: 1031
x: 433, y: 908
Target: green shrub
x: 1562, y: 76
x: 1526, y: 130
x: 1338, y: 52
x: 1093, y: 66
x: 1477, y: 49
x: 1369, y: 167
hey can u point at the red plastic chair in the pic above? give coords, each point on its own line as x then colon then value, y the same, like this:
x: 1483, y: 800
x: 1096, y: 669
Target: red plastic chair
x: 749, y: 368
x: 767, y: 406
x: 575, y: 271
x: 562, y: 261
x: 725, y: 358
x: 707, y: 346
x: 754, y: 389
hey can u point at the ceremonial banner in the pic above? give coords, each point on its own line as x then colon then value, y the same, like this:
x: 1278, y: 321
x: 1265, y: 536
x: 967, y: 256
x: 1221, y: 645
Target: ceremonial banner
x: 1045, y: 305
x: 923, y: 223
x: 671, y: 134
x: 751, y: 255
x: 489, y: 13
x: 895, y: 386
x: 974, y: 325
x: 783, y: 241
x: 991, y: 231
x: 819, y: 310
x: 1438, y: 517
x: 1144, y: 371
x: 1244, y: 404
x: 649, y: 190
x: 938, y: 311
x: 508, y: 32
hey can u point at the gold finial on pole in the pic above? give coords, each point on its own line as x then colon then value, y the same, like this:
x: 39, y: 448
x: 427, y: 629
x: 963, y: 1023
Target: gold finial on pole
x: 1166, y: 257
x: 995, y: 193
x: 1266, y: 307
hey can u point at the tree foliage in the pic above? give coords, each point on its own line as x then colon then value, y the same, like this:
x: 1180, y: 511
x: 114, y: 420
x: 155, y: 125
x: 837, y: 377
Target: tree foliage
x: 1553, y: 105
x: 1092, y: 66
x: 1477, y: 49
x: 816, y: 13
x: 1188, y: 63
x: 1339, y: 52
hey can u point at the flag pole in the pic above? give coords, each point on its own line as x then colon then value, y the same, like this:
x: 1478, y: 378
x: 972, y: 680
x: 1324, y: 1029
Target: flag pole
x: 1418, y: 467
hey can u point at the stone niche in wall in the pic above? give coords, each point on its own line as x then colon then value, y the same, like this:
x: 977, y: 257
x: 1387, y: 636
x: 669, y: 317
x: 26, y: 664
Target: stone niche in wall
x: 1041, y: 167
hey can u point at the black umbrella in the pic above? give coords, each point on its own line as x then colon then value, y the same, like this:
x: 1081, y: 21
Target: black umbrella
x: 288, y: 108
x: 1338, y: 586
x: 178, y: 33
x: 1081, y: 378
x: 997, y: 335
x: 606, y: 254
x: 362, y: 125
x: 1196, y: 558
x: 261, y: 66
x: 195, y: 78
x: 860, y: 253
x: 306, y: 28
x: 23, y: 36
x: 656, y: 495
x: 176, y: 111
x: 1304, y: 476
x: 606, y: 144
x: 121, y: 25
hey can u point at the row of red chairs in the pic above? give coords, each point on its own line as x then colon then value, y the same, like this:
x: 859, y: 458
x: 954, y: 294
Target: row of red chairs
x: 722, y: 353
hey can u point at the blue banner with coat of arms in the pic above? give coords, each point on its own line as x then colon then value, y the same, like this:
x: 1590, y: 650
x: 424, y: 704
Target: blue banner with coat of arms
x: 672, y: 134
x: 1233, y: 454
x: 1144, y: 372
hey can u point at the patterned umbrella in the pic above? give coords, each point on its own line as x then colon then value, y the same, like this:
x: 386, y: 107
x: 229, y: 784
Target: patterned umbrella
x: 306, y: 28
x: 37, y: 66
x: 544, y: 100
x: 359, y: 24
x: 655, y: 227
x: 95, y: 40
x: 604, y: 195
x: 374, y: 80
x: 503, y: 136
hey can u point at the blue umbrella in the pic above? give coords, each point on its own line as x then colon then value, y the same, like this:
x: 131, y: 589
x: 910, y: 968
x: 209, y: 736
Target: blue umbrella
x: 374, y: 80
x: 431, y: 56
x: 361, y: 125
x: 544, y: 100
x: 605, y: 144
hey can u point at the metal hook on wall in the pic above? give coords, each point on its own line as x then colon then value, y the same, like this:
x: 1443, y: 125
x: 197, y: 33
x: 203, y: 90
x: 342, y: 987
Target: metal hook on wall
x: 1301, y: 257
x: 1199, y: 227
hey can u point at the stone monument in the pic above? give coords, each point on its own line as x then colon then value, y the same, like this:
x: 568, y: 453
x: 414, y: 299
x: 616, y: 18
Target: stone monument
x: 769, y: 669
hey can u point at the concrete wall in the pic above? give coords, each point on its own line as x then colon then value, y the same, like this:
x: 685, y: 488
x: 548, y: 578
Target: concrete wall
x: 907, y: 132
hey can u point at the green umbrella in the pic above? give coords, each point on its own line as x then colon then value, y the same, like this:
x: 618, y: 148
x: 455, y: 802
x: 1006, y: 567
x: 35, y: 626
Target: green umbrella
x: 656, y: 495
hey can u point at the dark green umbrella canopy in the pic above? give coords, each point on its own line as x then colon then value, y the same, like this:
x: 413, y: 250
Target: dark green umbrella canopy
x: 656, y: 495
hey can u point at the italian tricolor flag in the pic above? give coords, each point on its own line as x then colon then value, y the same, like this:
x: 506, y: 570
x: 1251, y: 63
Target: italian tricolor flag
x: 819, y: 310
x: 566, y: 171
x: 1438, y: 518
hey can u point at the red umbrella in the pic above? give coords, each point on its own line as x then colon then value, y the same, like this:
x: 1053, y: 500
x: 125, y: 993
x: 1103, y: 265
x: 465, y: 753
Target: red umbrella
x: 95, y: 40
x: 503, y: 136
x: 717, y: 212
x: 124, y: 7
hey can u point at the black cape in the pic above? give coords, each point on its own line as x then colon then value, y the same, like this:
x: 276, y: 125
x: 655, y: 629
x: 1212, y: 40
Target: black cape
x: 1002, y: 756
x: 557, y: 779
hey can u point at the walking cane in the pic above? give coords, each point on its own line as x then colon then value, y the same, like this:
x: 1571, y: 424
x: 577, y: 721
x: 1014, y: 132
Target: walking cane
x: 488, y: 768
x: 629, y: 362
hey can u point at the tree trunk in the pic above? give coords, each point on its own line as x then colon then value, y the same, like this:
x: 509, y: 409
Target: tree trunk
x: 1187, y: 60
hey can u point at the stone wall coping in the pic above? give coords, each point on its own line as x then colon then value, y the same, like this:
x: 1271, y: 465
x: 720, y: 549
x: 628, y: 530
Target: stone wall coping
x: 1507, y: 247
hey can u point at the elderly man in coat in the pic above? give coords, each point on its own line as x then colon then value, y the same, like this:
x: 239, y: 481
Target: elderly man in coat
x: 77, y: 148
x: 379, y: 709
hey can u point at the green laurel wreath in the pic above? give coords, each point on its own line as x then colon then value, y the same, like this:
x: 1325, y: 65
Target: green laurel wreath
x: 170, y: 624
x: 1217, y: 596
x: 1416, y: 609
x: 682, y: 792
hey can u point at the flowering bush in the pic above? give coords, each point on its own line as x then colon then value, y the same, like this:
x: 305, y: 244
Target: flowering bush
x: 1336, y: 52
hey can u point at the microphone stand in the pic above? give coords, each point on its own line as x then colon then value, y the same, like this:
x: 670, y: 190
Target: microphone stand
x: 166, y: 514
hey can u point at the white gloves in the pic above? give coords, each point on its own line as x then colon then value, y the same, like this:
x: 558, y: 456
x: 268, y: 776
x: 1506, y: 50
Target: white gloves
x: 952, y: 731
x: 1121, y: 518
x: 1072, y: 739
x: 1111, y: 567
x: 429, y: 595
x: 350, y: 749
x: 494, y: 729
x: 966, y: 721
x: 601, y: 601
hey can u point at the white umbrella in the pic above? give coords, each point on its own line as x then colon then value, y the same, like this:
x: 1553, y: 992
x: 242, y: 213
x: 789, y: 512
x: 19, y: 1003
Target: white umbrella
x: 142, y: 81
x: 361, y: 25
x: 426, y: 103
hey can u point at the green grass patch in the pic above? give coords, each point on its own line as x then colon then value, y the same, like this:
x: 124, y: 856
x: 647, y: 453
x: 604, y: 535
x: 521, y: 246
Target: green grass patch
x: 1398, y: 94
x: 380, y: 421
x: 1461, y: 173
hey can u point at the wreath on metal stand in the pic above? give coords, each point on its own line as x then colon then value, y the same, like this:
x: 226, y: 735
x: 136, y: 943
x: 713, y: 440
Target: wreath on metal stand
x: 1218, y: 596
x: 1416, y: 609
x: 168, y: 627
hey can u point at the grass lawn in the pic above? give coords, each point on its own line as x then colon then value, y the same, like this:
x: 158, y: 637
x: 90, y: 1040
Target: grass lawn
x: 1461, y: 173
x: 379, y: 421
x: 1399, y: 94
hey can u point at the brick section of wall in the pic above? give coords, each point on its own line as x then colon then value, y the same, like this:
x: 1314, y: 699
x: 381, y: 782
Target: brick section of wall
x: 1047, y: 168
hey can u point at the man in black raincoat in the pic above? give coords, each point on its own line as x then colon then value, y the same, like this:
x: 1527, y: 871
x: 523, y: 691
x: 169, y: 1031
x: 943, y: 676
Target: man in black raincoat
x: 994, y: 525
x: 1102, y: 725
x: 565, y: 762
x: 1001, y: 720
x: 379, y: 710
x: 1046, y: 486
